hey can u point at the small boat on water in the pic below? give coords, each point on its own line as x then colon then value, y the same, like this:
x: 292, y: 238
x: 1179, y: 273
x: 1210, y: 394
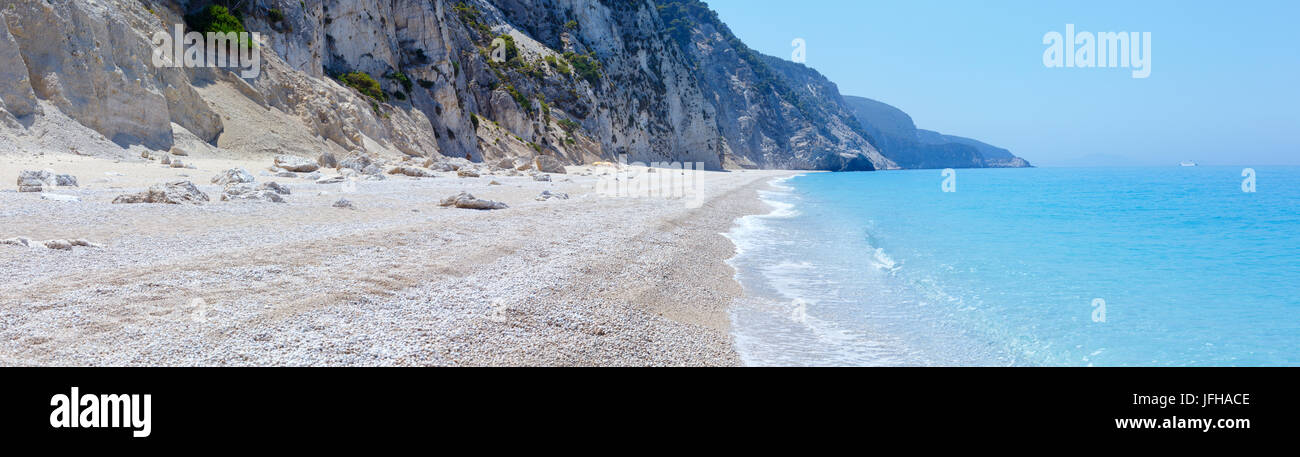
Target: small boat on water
x: 1187, y: 163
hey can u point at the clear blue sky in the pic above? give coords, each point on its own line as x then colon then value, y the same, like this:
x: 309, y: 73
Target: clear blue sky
x: 1222, y: 91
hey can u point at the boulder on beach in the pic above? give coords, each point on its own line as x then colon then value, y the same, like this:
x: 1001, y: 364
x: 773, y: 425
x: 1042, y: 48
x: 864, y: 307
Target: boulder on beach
x: 357, y: 162
x: 327, y: 160
x: 175, y: 192
x: 542, y: 177
x: 344, y: 203
x: 65, y: 181
x: 233, y: 176
x: 295, y: 163
x: 58, y: 245
x: 548, y: 164
x: 274, y: 187
x: 440, y: 165
x: 466, y: 173
x: 547, y: 195
x: 62, y: 245
x: 331, y: 179
x: 414, y: 172
x: 248, y: 192
x: 60, y: 197
x: 34, y: 180
x: 467, y: 201
x: 18, y: 241
x: 522, y: 164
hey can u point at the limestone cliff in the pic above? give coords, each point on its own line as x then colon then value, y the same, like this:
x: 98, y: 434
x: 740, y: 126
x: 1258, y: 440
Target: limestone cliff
x: 899, y: 139
x: 580, y: 80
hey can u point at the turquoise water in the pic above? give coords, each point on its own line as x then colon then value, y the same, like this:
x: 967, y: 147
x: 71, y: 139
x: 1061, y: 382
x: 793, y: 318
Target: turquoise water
x: 884, y: 268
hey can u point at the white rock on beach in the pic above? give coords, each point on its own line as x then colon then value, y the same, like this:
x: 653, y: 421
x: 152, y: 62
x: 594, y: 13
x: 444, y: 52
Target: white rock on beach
x: 65, y: 181
x: 414, y: 172
x: 17, y: 241
x: 357, y: 162
x: 175, y: 192
x: 248, y: 192
x: 60, y: 197
x: 467, y: 201
x: 233, y: 176
x: 547, y: 195
x: 295, y: 163
x: 34, y: 180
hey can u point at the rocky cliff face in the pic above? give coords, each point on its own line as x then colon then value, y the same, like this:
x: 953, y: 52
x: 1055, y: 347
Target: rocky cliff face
x: 770, y: 113
x: 993, y: 156
x: 579, y: 80
x: 899, y: 139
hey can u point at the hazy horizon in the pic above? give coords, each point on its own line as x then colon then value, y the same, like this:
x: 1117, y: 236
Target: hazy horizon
x: 1218, y: 92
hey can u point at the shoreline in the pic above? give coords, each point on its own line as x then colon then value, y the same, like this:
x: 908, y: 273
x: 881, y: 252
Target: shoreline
x: 589, y: 280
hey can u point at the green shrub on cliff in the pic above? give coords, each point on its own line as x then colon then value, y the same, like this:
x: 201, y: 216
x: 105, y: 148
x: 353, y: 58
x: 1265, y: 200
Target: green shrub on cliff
x: 363, y: 83
x: 588, y: 68
x: 216, y: 19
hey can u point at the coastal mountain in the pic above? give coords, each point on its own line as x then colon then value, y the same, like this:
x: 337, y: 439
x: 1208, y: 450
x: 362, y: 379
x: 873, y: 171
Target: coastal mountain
x: 899, y: 139
x: 771, y: 113
x: 577, y: 80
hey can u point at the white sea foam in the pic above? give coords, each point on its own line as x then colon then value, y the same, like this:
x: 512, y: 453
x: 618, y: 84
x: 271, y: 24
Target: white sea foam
x: 883, y: 261
x: 748, y: 230
x: 811, y: 302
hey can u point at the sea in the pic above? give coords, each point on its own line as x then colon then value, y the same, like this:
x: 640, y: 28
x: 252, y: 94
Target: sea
x: 1170, y: 266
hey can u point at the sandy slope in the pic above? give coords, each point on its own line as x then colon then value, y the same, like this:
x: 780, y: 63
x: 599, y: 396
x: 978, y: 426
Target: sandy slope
x: 398, y: 281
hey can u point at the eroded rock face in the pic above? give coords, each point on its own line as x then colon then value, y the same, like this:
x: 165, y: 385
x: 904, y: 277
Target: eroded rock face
x: 93, y: 61
x: 16, y: 96
x: 175, y: 192
x: 653, y: 98
x: 896, y: 134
